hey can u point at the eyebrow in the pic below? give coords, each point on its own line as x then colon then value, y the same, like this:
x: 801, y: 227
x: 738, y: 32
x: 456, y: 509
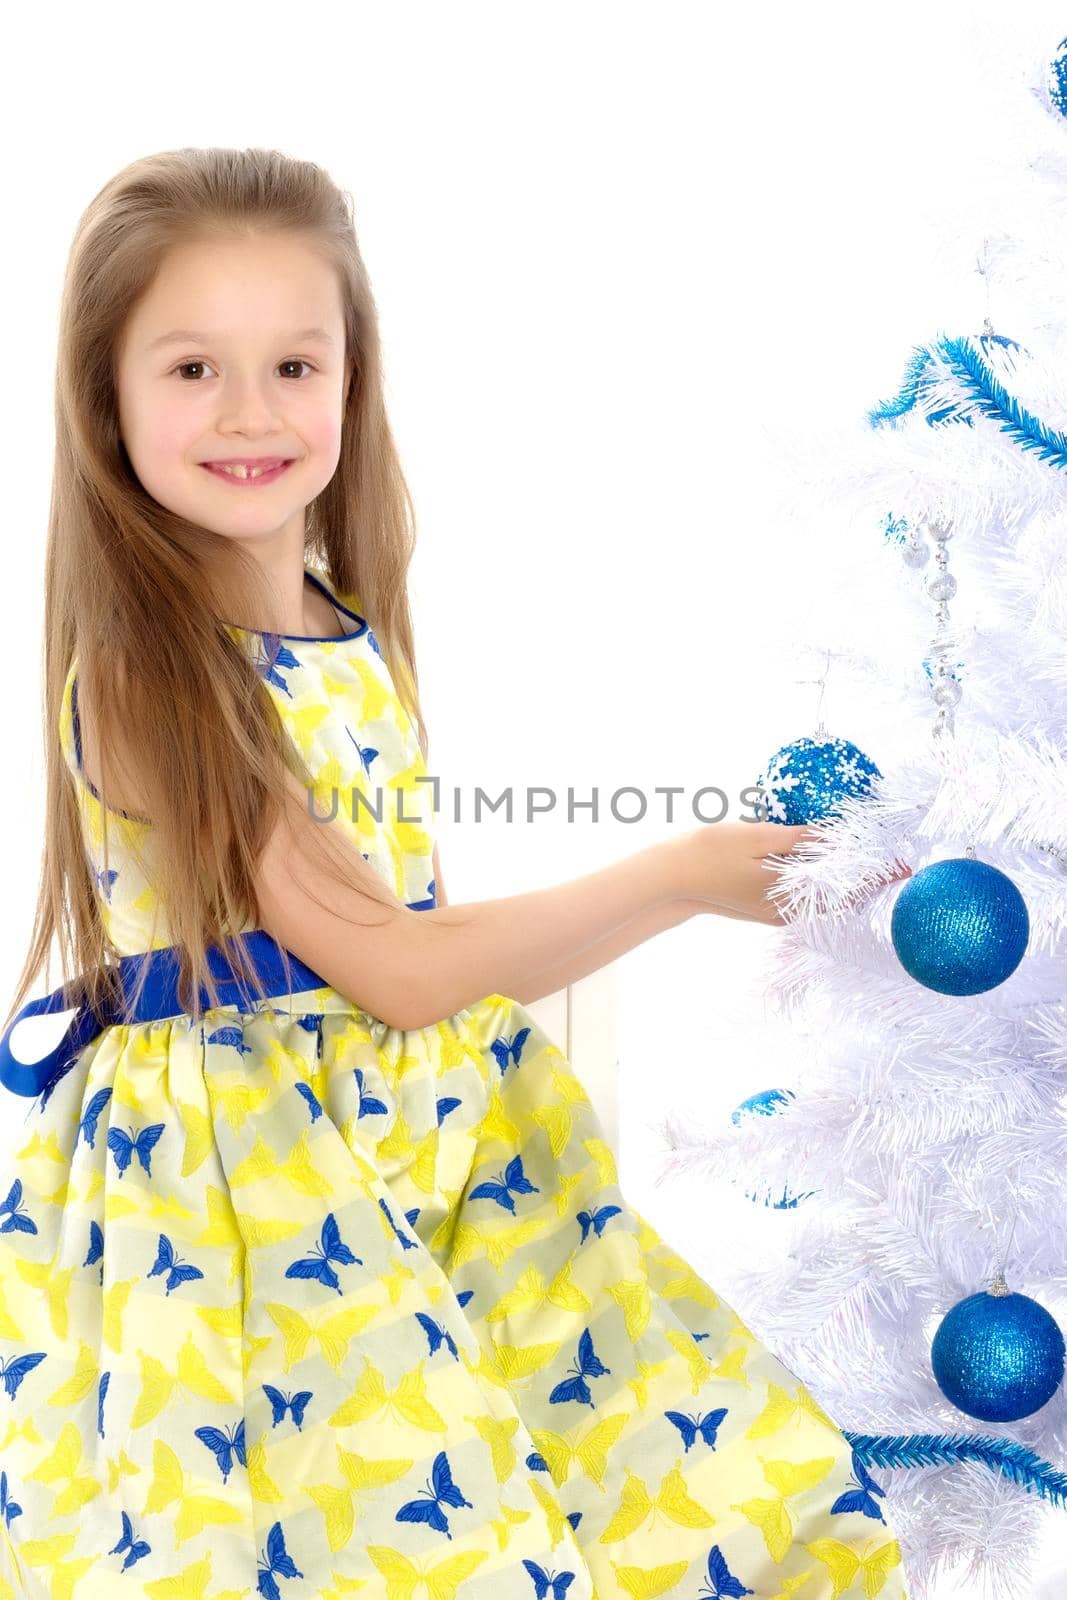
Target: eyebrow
x: 183, y: 336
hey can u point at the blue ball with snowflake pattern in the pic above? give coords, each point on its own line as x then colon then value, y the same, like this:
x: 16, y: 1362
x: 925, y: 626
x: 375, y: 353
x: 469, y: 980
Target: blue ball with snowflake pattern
x: 806, y: 780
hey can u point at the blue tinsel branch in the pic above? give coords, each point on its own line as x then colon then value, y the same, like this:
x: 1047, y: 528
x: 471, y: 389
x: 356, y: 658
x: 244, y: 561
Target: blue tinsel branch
x: 930, y: 1450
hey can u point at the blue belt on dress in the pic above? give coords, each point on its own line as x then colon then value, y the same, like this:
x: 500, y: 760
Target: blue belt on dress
x: 158, y: 999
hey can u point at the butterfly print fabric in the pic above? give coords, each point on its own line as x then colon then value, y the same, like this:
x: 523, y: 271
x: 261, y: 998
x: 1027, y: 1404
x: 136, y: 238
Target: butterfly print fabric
x: 297, y: 1304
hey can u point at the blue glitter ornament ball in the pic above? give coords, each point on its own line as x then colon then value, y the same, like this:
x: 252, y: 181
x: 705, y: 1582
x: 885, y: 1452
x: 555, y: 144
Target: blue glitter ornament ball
x: 998, y: 1356
x: 805, y: 780
x: 1056, y: 79
x: 960, y: 926
x: 765, y: 1103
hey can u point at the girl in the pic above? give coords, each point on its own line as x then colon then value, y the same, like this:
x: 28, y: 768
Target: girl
x: 315, y: 1272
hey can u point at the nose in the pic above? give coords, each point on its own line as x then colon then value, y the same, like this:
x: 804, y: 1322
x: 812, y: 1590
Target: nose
x: 247, y: 406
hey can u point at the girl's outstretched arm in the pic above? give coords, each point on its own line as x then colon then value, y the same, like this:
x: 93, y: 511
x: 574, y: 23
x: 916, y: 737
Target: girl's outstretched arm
x: 413, y: 968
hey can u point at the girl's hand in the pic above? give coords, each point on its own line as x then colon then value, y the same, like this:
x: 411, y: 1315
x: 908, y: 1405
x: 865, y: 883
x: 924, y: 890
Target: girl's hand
x: 727, y: 869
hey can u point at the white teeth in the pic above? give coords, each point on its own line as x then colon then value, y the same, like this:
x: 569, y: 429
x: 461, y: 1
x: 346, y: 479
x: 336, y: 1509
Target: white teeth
x: 241, y: 471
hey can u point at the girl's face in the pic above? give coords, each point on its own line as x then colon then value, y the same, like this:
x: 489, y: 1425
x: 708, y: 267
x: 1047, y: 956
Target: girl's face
x: 237, y: 350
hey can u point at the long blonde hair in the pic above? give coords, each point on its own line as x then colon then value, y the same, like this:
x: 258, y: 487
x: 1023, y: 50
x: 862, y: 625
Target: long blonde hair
x: 211, y: 747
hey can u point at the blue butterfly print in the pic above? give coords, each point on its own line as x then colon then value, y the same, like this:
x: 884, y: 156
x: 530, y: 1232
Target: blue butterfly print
x: 408, y: 1244
x: 105, y: 1379
x: 446, y: 1104
x: 331, y: 1249
x: 862, y: 1498
x: 277, y: 654
x: 369, y: 1105
x: 506, y: 1050
x: 295, y: 1404
x: 225, y: 1446
x: 312, y: 1023
x: 96, y: 1248
x: 166, y: 1261
x: 124, y: 1146
x: 589, y: 1366
x: 596, y: 1220
x: 545, y: 1583
x: 110, y: 874
x: 436, y: 1334
x: 278, y: 1560
x: 9, y: 1509
x: 366, y: 754
x: 17, y: 1221
x: 723, y: 1584
x: 464, y: 1295
x: 689, y: 1427
x: 441, y: 1492
x: 372, y: 641
x: 16, y: 1369
x: 135, y: 1550
x: 90, y: 1117
x: 229, y: 1034
x: 497, y: 1189
x: 310, y: 1096
x: 536, y: 1461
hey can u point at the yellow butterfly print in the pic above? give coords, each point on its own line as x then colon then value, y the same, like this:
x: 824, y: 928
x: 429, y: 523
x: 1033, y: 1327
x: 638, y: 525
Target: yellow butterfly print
x: 82, y: 1380
x: 116, y: 1300
x: 773, y: 1517
x: 562, y: 1197
x: 607, y: 1172
x: 26, y: 1429
x: 157, y: 1384
x: 452, y: 1050
x: 502, y: 1529
x: 297, y: 1169
x: 496, y: 1124
x: 697, y: 1362
x: 646, y: 1370
x: 408, y: 1400
x: 646, y: 1583
x: 122, y: 1468
x: 341, y: 1587
x: 260, y: 1483
x: 498, y: 1245
x: 782, y: 1408
x: 591, y: 1452
x: 791, y: 1585
x: 9, y: 1328
x: 732, y: 1366
x: 557, y: 1120
x: 688, y: 1286
x: 531, y: 1293
x: 190, y: 1584
x: 303, y: 724
x: 636, y: 1506
x: 62, y: 1464
x: 633, y: 1296
x: 377, y: 696
x: 558, y: 1526
x: 338, y: 1505
x: 843, y: 1563
x: 396, y: 1278
x: 509, y: 1365
x: 403, y: 1577
x: 47, y: 1148
x: 196, y: 1510
x: 49, y: 1553
x: 55, y: 1283
x: 499, y: 1434
x: 334, y: 1331
x: 398, y: 1154
x: 238, y: 1101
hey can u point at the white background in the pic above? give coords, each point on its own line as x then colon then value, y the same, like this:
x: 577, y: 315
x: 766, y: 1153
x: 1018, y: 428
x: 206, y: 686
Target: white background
x: 608, y: 243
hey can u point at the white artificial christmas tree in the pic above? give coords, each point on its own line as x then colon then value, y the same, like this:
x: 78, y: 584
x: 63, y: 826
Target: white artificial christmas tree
x: 912, y: 1150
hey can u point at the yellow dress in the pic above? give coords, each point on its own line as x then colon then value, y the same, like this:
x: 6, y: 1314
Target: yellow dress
x: 295, y: 1303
